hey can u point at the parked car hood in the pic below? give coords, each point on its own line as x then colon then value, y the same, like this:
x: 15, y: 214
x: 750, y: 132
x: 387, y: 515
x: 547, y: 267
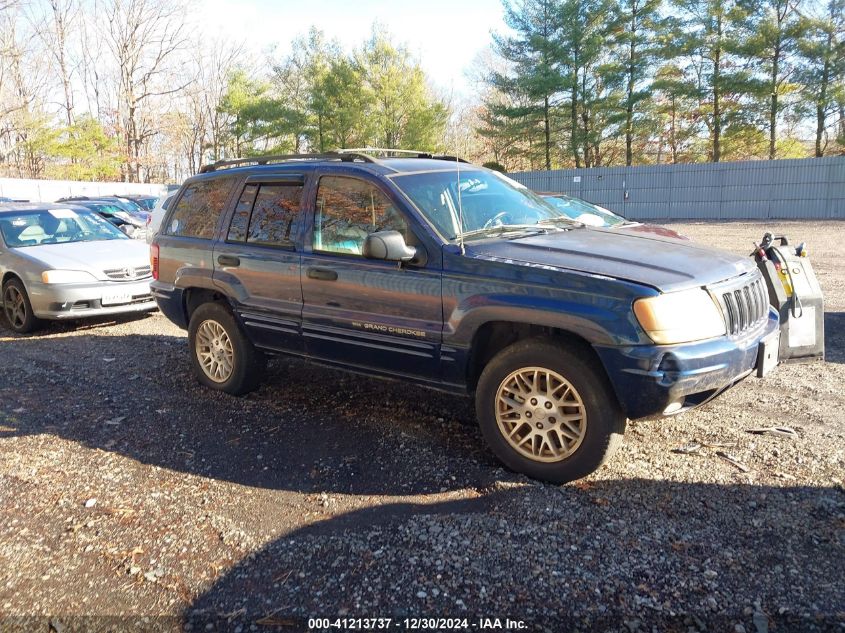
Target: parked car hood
x: 664, y: 263
x: 93, y: 257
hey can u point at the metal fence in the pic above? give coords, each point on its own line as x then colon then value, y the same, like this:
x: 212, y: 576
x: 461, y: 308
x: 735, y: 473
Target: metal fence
x: 810, y: 188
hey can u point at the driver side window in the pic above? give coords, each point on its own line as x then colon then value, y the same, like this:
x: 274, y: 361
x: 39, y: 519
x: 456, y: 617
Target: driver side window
x: 347, y: 211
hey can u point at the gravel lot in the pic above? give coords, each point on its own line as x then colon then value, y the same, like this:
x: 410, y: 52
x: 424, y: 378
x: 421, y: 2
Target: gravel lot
x: 132, y: 498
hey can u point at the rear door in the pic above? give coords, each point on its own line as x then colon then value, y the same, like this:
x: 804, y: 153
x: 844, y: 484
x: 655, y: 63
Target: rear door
x: 360, y: 312
x: 257, y: 262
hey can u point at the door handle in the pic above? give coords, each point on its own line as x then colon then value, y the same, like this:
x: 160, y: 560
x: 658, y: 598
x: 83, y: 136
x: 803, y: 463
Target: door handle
x: 228, y: 260
x: 323, y: 274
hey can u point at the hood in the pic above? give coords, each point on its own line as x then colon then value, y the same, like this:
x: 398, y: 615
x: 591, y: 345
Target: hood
x: 664, y: 263
x: 93, y: 257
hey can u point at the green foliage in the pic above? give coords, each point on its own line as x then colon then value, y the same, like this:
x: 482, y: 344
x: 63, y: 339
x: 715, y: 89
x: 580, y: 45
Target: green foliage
x: 86, y: 152
x: 328, y: 100
x: 342, y: 104
x: 261, y: 123
x: 403, y: 113
x: 770, y: 33
x: 821, y: 74
x: 534, y: 76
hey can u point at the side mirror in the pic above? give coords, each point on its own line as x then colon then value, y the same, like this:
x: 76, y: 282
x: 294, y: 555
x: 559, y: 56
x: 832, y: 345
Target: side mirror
x: 388, y: 245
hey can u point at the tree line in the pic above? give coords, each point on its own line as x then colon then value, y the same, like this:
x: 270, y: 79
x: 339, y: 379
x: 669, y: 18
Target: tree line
x: 130, y: 90
x: 586, y: 83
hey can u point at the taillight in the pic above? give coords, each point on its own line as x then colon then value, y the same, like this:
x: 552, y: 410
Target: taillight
x: 154, y: 259
x: 149, y: 219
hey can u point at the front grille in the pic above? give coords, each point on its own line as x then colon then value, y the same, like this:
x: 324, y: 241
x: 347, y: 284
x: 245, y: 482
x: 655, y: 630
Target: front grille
x: 744, y: 304
x: 129, y: 273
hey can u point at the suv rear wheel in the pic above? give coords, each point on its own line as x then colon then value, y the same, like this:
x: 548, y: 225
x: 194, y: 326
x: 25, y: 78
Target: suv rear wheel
x: 547, y: 412
x: 221, y: 356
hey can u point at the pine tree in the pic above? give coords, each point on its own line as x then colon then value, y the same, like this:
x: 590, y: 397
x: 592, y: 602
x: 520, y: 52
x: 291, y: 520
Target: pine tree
x: 533, y: 56
x: 770, y: 34
x: 823, y: 69
x: 705, y: 35
x: 635, y: 28
x: 585, y: 26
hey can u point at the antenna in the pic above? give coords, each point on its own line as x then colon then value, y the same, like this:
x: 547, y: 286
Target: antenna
x: 460, y: 205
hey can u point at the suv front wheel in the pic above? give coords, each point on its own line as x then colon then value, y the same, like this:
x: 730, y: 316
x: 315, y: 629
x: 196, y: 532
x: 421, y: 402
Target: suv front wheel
x: 547, y: 412
x: 221, y: 356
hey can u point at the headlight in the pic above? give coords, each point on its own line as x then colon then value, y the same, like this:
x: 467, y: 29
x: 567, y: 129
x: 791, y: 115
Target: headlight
x: 680, y: 317
x: 66, y: 277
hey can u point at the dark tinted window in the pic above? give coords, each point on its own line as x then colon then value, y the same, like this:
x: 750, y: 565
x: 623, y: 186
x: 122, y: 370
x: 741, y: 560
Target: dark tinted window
x: 273, y: 215
x: 199, y: 208
x: 348, y: 210
x: 240, y: 219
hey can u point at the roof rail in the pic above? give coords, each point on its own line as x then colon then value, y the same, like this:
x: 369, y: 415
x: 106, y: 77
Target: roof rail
x: 282, y: 158
x: 409, y: 153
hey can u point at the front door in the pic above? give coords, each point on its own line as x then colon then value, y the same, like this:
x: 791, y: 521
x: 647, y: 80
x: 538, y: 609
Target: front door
x: 366, y: 313
x: 258, y: 263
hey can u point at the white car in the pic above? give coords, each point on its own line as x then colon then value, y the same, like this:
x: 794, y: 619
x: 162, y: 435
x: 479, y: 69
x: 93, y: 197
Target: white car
x: 157, y: 215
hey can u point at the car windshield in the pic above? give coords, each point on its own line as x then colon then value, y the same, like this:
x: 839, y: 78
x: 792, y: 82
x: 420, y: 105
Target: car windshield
x: 488, y: 201
x: 146, y: 204
x: 586, y: 212
x: 55, y: 226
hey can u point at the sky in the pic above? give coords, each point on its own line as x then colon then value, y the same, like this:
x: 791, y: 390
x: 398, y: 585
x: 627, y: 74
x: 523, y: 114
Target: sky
x: 445, y: 35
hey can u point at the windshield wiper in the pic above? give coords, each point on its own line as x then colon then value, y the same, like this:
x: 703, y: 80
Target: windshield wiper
x: 505, y: 228
x: 562, y: 218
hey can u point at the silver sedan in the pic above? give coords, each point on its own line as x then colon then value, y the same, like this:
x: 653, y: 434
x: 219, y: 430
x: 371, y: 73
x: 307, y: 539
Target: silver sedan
x: 63, y: 263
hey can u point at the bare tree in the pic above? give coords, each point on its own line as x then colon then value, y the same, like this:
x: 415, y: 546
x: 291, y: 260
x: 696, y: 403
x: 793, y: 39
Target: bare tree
x: 215, y: 68
x: 144, y: 38
x: 53, y: 29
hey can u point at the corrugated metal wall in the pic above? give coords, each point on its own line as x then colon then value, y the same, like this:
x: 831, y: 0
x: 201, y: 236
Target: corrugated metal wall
x: 810, y: 188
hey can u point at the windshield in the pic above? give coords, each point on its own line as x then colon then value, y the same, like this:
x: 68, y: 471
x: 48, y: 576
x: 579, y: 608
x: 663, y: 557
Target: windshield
x: 489, y: 200
x: 586, y: 212
x: 146, y: 204
x: 56, y: 226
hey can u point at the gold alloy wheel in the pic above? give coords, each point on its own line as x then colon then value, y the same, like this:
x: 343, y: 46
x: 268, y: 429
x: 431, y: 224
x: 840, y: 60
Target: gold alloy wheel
x: 15, y: 307
x: 540, y: 414
x: 214, y: 351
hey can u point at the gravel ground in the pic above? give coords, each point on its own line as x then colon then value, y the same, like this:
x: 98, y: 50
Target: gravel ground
x: 132, y: 498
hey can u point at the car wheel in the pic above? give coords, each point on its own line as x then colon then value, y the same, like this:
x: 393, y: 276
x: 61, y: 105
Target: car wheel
x: 547, y: 411
x: 221, y: 356
x: 17, y: 308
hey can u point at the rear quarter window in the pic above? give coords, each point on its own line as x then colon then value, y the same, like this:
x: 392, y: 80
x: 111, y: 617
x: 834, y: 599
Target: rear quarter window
x: 198, y: 210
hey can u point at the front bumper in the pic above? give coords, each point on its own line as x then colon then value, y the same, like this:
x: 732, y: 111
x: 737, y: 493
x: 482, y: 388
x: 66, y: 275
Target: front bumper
x: 649, y: 378
x: 76, y: 301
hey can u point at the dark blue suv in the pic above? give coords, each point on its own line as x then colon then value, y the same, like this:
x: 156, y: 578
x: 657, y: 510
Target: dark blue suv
x: 429, y: 269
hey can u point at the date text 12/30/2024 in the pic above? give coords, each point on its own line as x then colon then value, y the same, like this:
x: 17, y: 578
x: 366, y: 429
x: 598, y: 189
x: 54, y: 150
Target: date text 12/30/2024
x: 416, y: 624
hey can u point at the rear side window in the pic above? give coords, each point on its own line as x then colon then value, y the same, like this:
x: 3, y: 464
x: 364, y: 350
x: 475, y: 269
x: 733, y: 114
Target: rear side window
x: 198, y: 210
x: 266, y: 214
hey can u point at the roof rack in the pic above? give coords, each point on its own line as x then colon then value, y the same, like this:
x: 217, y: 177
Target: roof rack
x: 283, y: 158
x: 406, y: 153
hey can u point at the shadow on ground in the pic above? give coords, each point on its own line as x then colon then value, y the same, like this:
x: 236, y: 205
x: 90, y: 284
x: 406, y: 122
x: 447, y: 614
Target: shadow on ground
x: 307, y: 429
x: 834, y: 331
x: 567, y: 558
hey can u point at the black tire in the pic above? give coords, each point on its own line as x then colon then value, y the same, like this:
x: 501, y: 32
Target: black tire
x: 603, y: 424
x: 20, y: 323
x: 248, y: 364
